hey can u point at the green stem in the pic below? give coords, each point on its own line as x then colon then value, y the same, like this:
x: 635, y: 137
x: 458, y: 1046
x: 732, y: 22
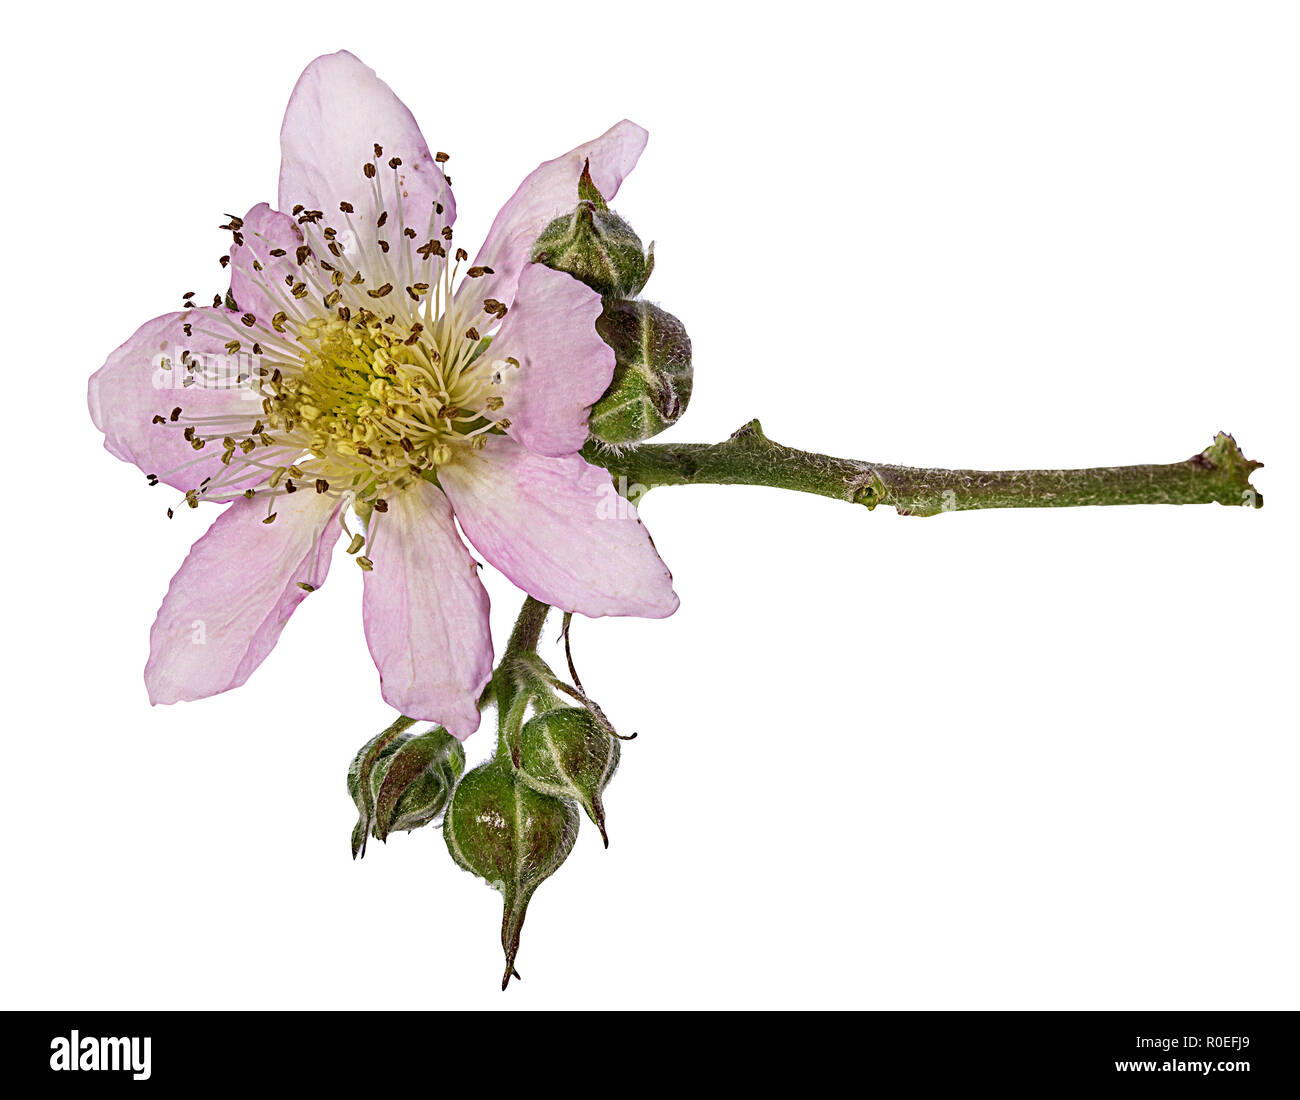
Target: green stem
x: 505, y: 681
x: 528, y: 628
x: 1220, y: 473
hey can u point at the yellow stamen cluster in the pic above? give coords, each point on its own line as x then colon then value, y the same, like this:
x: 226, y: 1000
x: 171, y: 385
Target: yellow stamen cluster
x: 370, y: 370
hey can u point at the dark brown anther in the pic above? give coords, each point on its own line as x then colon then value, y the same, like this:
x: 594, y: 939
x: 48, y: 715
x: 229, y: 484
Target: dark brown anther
x: 346, y: 207
x: 380, y: 292
x: 395, y: 162
x: 381, y: 505
x: 379, y: 150
x: 301, y: 254
x: 248, y: 320
x: 383, y: 217
x: 461, y: 255
x: 471, y: 333
x: 276, y: 252
x: 446, y: 232
x: 298, y: 209
x: 442, y: 158
x: 176, y: 414
x: 322, y: 486
x: 369, y: 170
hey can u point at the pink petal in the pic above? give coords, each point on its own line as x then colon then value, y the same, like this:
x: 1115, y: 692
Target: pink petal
x: 564, y: 365
x: 261, y: 292
x: 235, y: 591
x: 426, y: 612
x: 338, y: 112
x: 557, y: 528
x: 133, y: 387
x: 551, y: 190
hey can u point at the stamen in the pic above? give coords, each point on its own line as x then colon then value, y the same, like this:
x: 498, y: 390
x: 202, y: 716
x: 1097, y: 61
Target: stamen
x: 352, y: 405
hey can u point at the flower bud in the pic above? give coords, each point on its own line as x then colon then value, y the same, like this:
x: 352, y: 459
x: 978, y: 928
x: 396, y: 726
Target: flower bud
x: 512, y: 837
x: 566, y: 753
x: 652, y: 376
x: 596, y: 247
x: 410, y: 780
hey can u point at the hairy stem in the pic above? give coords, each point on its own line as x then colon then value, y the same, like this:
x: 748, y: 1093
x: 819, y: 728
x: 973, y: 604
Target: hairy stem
x: 528, y: 628
x: 1220, y: 473
x: 524, y: 637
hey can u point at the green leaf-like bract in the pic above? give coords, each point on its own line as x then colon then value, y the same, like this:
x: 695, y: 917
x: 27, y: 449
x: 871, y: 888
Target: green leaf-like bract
x: 410, y: 780
x: 512, y: 837
x: 566, y: 753
x: 652, y: 376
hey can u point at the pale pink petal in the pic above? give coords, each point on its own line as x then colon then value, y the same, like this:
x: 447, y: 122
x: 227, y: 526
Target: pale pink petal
x: 145, y: 378
x: 338, y: 112
x: 232, y: 596
x: 564, y: 365
x: 426, y: 612
x: 262, y: 292
x: 557, y: 528
x: 551, y: 190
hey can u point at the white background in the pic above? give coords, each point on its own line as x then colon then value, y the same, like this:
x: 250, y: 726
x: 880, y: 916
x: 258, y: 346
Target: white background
x: 1006, y: 759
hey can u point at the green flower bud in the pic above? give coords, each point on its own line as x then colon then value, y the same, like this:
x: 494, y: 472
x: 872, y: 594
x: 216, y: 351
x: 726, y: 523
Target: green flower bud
x: 512, y: 837
x: 652, y: 375
x: 568, y: 754
x: 410, y: 780
x: 596, y: 247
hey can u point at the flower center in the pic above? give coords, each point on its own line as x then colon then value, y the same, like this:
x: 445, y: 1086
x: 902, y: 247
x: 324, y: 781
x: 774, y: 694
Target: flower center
x: 362, y: 386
